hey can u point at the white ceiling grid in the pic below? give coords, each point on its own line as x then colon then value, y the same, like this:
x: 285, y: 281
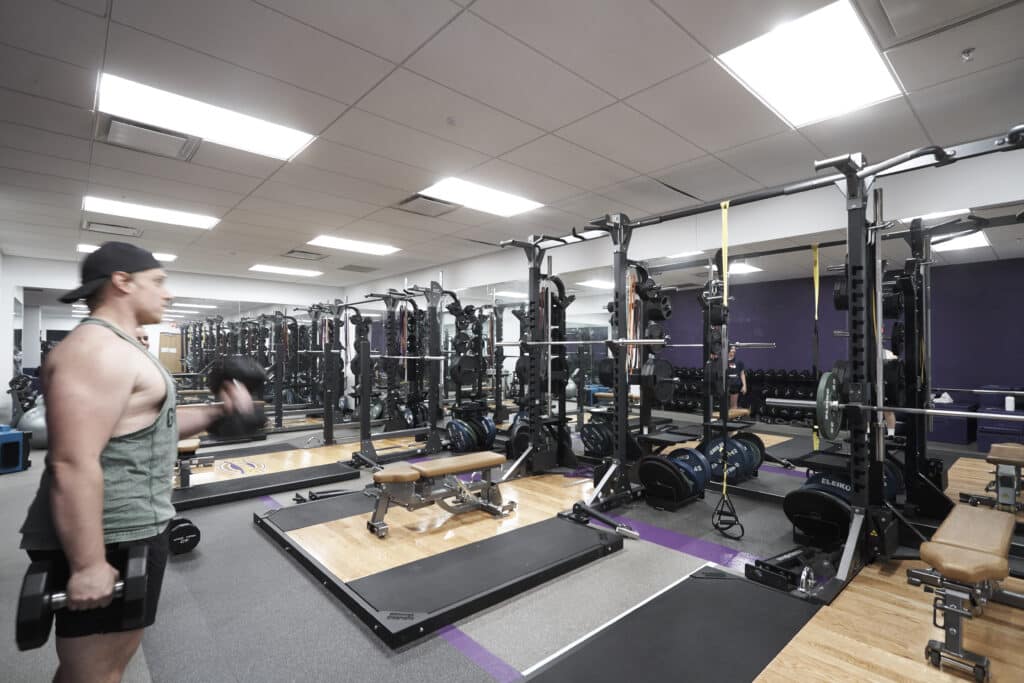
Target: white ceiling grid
x: 589, y: 107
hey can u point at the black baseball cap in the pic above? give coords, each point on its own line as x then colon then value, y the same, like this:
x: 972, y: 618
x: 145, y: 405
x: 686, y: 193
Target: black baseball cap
x: 110, y: 258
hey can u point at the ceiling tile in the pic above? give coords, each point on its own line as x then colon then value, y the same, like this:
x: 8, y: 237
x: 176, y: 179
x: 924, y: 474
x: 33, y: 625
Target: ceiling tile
x: 708, y: 107
x: 721, y: 26
x: 936, y: 58
x: 234, y: 160
x: 622, y: 46
x: 20, y: 199
x: 468, y: 217
x: 389, y: 29
x: 879, y: 132
x: 507, y: 177
x: 591, y: 205
x: 560, y: 159
x: 909, y: 18
x: 41, y: 163
x: 42, y: 182
x: 46, y: 114
x: 279, y: 227
x: 43, y: 216
x: 477, y: 59
x: 43, y: 142
x: 782, y: 158
x: 374, y: 231
x: 171, y: 169
x: 293, y: 212
x: 411, y: 220
x: 161, y: 64
x: 545, y: 220
x: 301, y: 196
x: 55, y: 30
x: 417, y: 102
x: 379, y: 136
x: 494, y: 233
x: 646, y: 194
x: 142, y: 189
x: 707, y: 178
x: 448, y: 249
x: 97, y: 7
x: 622, y: 133
x: 340, y: 185
x: 331, y: 156
x: 254, y: 37
x: 46, y: 77
x: 951, y: 113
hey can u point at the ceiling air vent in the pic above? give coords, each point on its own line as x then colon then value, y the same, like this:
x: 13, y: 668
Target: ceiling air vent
x: 109, y: 229
x: 353, y: 268
x: 305, y: 255
x: 148, y: 139
x: 425, y: 206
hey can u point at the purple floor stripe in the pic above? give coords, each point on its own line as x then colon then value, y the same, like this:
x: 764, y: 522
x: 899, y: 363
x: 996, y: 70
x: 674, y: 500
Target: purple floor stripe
x: 270, y: 502
x: 705, y: 550
x: 777, y: 469
x: 500, y: 670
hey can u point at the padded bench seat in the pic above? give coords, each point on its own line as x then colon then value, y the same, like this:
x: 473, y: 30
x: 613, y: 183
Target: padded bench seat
x: 967, y: 566
x: 1006, y: 454
x: 979, y: 529
x: 439, y: 467
x: 188, y: 446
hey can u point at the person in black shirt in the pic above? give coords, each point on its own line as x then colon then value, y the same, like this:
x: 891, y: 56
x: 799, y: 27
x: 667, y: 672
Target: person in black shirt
x: 737, y: 377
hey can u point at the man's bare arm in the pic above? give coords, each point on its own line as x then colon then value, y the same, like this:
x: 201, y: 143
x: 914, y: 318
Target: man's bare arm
x: 195, y: 419
x: 80, y: 427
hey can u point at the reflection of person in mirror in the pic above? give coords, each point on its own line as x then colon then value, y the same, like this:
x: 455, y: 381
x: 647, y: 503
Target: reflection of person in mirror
x: 142, y: 336
x: 17, y: 361
x: 890, y: 417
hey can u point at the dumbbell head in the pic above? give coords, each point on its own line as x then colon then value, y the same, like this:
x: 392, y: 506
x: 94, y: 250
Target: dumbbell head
x: 244, y: 369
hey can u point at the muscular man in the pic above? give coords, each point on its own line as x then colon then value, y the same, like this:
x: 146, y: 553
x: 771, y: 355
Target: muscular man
x: 114, y: 428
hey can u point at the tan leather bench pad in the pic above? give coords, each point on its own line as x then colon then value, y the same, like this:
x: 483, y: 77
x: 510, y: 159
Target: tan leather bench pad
x: 975, y: 528
x: 967, y: 566
x: 1006, y: 454
x: 459, y: 463
x: 188, y: 446
x: 399, y: 472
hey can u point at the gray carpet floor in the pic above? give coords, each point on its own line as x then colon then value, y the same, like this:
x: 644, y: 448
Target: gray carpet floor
x: 239, y: 609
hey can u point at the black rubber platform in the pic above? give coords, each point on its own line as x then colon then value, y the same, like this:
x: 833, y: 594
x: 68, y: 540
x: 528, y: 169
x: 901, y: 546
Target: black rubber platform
x: 410, y: 601
x: 326, y: 510
x: 241, y: 488
x: 711, y: 627
x: 275, y: 447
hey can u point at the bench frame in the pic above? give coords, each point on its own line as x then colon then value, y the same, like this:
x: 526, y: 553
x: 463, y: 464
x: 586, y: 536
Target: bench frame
x: 482, y: 494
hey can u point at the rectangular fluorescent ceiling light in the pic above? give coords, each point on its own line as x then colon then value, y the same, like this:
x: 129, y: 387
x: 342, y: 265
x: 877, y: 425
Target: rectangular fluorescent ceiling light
x: 148, y: 213
x: 511, y: 295
x: 938, y: 215
x: 193, y: 306
x: 597, y: 284
x: 357, y: 246
x: 278, y: 270
x: 137, y: 102
x: 166, y: 258
x: 480, y: 198
x: 813, y: 68
x: 87, y: 248
x: 972, y: 241
x: 685, y: 254
x: 185, y: 311
x: 171, y: 315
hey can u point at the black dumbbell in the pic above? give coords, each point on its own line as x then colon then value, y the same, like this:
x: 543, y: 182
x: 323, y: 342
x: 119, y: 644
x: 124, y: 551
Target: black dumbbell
x: 183, y: 536
x: 249, y: 373
x: 39, y: 599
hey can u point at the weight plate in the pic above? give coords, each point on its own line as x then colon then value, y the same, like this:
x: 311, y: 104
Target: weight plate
x: 828, y: 415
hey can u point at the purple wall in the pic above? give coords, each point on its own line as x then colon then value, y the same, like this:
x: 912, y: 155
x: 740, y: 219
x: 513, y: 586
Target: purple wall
x: 977, y: 324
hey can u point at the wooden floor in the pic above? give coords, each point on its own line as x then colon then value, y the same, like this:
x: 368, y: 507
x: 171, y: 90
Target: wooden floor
x: 350, y: 552
x: 281, y: 461
x: 971, y: 475
x: 877, y: 629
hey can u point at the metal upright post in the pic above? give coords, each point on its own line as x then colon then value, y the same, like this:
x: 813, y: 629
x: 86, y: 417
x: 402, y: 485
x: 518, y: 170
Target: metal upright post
x: 280, y: 351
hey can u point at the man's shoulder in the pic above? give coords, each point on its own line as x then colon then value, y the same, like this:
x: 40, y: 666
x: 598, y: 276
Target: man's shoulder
x: 93, y: 341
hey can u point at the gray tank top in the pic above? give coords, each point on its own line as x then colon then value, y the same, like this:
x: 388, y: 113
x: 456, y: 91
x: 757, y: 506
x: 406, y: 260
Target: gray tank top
x: 138, y: 469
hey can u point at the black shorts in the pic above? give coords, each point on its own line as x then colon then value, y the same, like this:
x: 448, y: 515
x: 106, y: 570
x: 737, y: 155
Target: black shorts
x: 75, y: 624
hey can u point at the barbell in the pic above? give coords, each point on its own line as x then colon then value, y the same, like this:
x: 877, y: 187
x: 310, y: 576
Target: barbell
x: 739, y: 345
x: 378, y: 355
x: 828, y: 408
x: 650, y: 342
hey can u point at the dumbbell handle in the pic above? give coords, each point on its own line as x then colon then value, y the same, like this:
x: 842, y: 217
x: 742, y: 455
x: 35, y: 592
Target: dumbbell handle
x: 60, y: 600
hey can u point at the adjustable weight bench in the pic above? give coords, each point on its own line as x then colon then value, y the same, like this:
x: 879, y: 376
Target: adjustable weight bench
x: 418, y: 485
x: 969, y: 556
x: 1008, y: 459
